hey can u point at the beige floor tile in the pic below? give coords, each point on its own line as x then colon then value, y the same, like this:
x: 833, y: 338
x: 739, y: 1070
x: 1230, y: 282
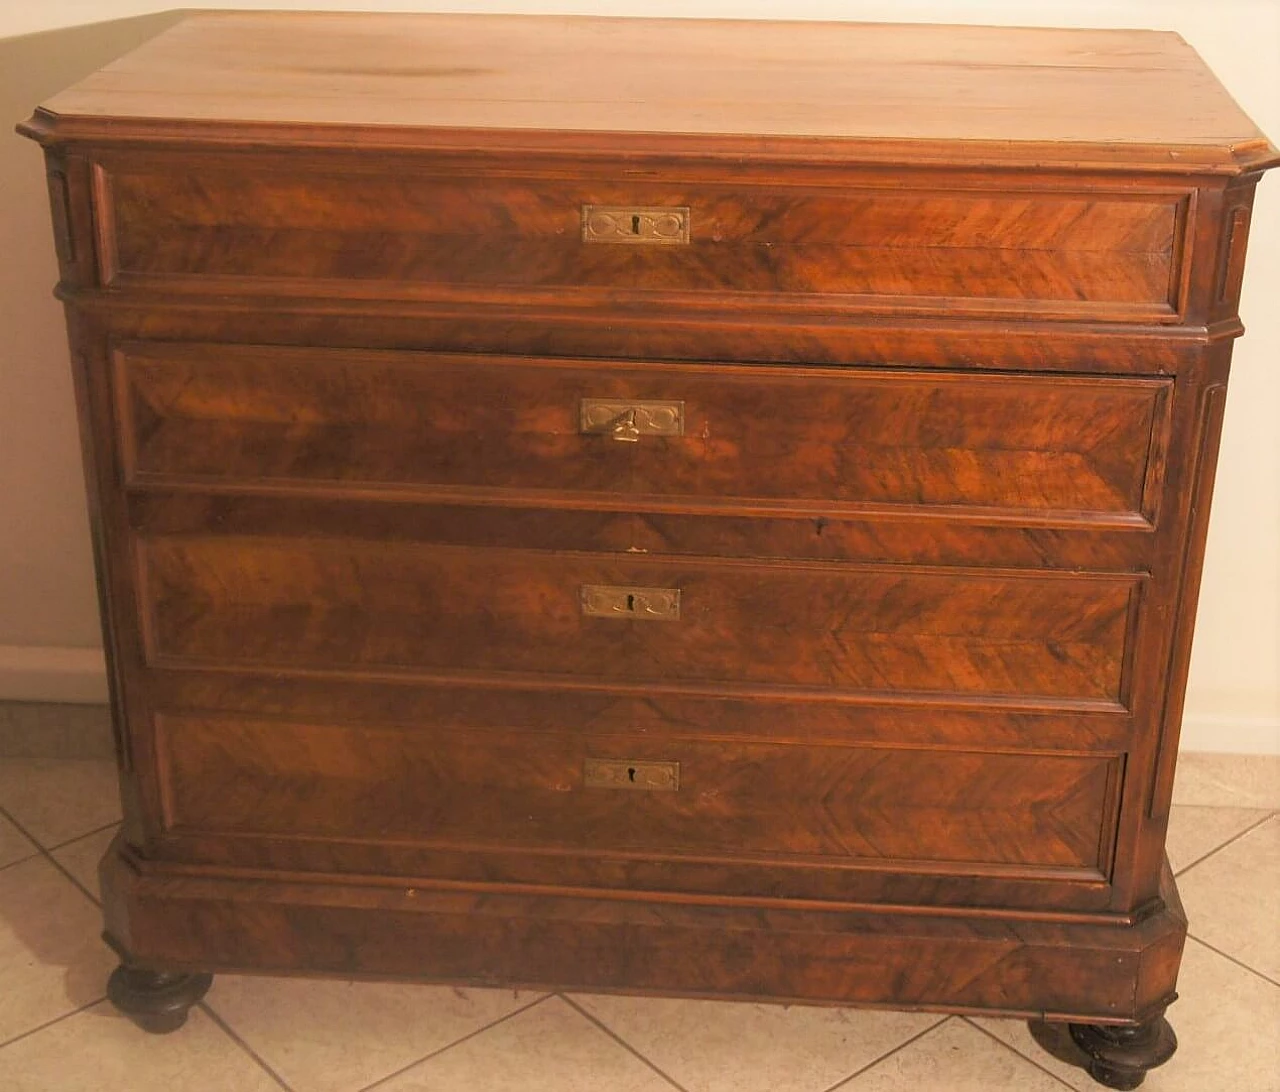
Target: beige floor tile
x: 56, y: 800
x: 14, y: 845
x: 1243, y: 781
x: 99, y: 1051
x: 81, y: 857
x: 1196, y: 831
x: 718, y: 1046
x: 51, y: 958
x: 333, y: 1036
x: 1226, y: 1020
x: 1016, y: 1035
x: 550, y: 1048
x: 1233, y: 899
x: 954, y: 1058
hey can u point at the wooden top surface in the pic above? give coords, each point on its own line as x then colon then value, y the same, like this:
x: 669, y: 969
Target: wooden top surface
x: 851, y: 90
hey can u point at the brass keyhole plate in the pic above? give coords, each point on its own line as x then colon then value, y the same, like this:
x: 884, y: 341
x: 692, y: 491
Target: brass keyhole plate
x: 625, y: 224
x: 633, y: 775
x: 612, y: 416
x: 619, y: 601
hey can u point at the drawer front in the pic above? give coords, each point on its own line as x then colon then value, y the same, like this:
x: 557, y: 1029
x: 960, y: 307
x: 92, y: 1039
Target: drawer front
x: 210, y: 226
x: 543, y: 791
x: 717, y: 435
x: 345, y: 605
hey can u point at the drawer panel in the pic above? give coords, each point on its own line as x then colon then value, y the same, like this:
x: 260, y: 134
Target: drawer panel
x: 208, y: 225
x: 502, y: 790
x: 1078, y: 447
x: 362, y: 606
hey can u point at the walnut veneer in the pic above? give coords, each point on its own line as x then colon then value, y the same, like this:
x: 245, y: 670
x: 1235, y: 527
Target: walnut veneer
x: 686, y: 507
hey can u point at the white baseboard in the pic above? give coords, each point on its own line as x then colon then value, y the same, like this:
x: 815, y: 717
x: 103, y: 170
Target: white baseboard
x: 1230, y: 735
x: 80, y: 675
x: 52, y: 674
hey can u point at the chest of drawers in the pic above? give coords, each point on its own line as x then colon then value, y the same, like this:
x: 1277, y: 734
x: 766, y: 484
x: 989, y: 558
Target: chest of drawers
x: 698, y: 508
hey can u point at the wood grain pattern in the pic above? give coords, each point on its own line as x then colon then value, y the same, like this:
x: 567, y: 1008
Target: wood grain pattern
x: 948, y: 92
x: 521, y: 790
x: 212, y: 227
x: 960, y: 890
x: 347, y: 604
x: 543, y: 705
x: 563, y: 328
x: 464, y: 934
x: 846, y: 438
x: 577, y: 522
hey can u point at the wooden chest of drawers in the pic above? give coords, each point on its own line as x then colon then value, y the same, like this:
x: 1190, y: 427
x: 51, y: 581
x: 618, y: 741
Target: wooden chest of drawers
x: 708, y: 508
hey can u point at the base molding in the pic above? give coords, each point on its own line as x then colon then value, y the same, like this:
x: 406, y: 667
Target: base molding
x: 1230, y: 735
x: 1084, y: 973
x: 53, y: 674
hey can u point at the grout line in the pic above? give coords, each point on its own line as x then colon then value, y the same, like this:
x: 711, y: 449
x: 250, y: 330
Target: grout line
x: 457, y: 1042
x: 1025, y: 1057
x: 50, y: 1023
x: 36, y: 848
x: 234, y: 1036
x: 619, y: 1040
x: 844, y: 1081
x: 87, y: 893
x: 48, y: 856
x: 1233, y: 959
x: 20, y: 860
x: 1230, y: 841
x: 87, y: 834
x: 42, y: 852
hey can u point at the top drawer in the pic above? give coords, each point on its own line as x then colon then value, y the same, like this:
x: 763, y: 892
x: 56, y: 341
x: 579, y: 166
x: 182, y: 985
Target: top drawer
x: 182, y: 224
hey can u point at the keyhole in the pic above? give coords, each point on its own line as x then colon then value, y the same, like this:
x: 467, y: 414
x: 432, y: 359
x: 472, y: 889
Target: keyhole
x: 631, y: 773
x: 635, y: 225
x: 631, y: 606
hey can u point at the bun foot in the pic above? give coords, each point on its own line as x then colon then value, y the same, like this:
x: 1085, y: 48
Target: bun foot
x: 157, y: 1001
x: 1119, y: 1057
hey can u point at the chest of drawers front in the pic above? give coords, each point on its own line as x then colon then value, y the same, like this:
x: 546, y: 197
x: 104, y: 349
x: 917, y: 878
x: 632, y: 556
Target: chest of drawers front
x: 863, y: 629
x: 755, y: 579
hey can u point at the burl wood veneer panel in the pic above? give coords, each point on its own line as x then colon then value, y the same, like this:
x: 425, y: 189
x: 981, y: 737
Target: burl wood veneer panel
x: 345, y: 604
x: 508, y: 789
x: 1076, y: 447
x: 417, y: 231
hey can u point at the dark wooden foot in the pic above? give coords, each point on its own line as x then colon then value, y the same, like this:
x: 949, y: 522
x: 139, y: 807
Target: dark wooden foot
x: 157, y: 1001
x: 1117, y: 1057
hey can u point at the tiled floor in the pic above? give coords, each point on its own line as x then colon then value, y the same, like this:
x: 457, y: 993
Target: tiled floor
x: 57, y: 1034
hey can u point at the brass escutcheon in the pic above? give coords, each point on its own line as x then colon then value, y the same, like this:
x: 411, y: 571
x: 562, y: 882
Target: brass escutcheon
x: 643, y: 604
x: 635, y: 226
x: 631, y: 774
x: 628, y: 421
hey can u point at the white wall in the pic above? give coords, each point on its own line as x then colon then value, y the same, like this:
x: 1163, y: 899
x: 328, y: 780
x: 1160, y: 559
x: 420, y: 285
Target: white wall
x: 46, y: 601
